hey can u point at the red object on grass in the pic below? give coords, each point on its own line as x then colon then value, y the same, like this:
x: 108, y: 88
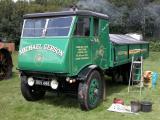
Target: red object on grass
x: 118, y: 101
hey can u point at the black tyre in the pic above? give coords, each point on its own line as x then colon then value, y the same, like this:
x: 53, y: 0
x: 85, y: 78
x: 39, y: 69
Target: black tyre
x: 126, y: 73
x: 6, y: 64
x: 126, y: 77
x: 31, y: 93
x: 90, y: 92
x: 116, y: 76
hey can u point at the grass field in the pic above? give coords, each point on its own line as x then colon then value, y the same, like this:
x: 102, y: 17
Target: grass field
x: 14, y: 107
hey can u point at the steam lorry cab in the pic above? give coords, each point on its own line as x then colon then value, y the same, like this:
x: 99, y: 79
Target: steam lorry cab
x: 71, y: 51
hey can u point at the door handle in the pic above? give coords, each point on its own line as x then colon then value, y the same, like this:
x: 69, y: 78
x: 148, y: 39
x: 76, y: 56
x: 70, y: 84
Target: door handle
x: 93, y: 41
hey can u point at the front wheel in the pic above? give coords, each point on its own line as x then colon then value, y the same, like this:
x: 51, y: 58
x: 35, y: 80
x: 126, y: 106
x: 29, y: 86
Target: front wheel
x: 31, y: 93
x: 90, y: 92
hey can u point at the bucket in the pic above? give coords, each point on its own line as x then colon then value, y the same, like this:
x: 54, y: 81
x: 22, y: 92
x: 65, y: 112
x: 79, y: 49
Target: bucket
x: 135, y: 106
x: 146, y: 106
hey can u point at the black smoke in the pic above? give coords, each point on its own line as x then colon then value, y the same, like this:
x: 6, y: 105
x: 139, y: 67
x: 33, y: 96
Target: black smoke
x: 142, y: 17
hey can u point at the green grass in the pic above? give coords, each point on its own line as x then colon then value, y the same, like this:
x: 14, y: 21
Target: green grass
x: 14, y: 107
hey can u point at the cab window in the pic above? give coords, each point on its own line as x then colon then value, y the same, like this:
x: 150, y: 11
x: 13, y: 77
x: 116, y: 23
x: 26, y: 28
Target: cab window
x: 82, y: 27
x: 96, y: 26
x: 33, y: 27
x: 59, y: 26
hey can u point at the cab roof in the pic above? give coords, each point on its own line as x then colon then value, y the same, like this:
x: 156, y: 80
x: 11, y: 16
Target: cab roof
x: 66, y: 13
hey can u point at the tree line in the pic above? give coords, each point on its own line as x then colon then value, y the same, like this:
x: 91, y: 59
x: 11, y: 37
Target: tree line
x: 11, y: 14
x: 142, y: 16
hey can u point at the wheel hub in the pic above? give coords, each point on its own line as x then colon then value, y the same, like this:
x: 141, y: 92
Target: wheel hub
x: 93, y: 91
x: 96, y: 92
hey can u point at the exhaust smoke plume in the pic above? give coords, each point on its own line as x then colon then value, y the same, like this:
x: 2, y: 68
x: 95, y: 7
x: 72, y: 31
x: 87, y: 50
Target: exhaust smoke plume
x: 102, y: 6
x: 143, y: 15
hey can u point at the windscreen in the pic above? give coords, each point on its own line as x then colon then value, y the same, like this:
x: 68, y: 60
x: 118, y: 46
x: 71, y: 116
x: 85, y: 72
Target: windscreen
x: 59, y: 26
x: 34, y: 27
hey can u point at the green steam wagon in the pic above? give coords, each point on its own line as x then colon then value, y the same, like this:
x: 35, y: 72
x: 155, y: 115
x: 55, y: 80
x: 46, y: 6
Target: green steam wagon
x: 71, y: 51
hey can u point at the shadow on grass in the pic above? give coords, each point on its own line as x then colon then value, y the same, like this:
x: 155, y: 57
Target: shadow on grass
x: 63, y: 100
x: 71, y: 101
x: 113, y: 87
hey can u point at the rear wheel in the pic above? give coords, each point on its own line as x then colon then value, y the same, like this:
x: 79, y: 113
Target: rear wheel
x: 90, y: 92
x: 122, y: 73
x: 126, y: 73
x: 116, y: 76
x: 31, y: 93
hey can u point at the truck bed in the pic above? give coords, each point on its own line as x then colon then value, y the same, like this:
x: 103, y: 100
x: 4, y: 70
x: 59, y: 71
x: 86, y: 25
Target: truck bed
x: 123, y: 47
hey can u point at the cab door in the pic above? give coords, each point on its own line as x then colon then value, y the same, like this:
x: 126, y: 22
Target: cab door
x: 95, y: 41
x: 99, y: 42
x: 81, y: 44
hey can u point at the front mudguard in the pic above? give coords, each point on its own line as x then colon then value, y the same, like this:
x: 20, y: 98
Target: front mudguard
x: 84, y: 73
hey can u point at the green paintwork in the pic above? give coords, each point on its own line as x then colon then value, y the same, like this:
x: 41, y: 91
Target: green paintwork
x: 78, y: 51
x: 122, y: 54
x: 93, y: 92
x: 91, y: 50
x: 137, y: 75
x: 43, y: 59
x: 100, y: 48
x: 81, y: 54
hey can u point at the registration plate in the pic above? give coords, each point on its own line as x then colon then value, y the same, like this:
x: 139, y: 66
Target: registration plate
x: 43, y: 83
